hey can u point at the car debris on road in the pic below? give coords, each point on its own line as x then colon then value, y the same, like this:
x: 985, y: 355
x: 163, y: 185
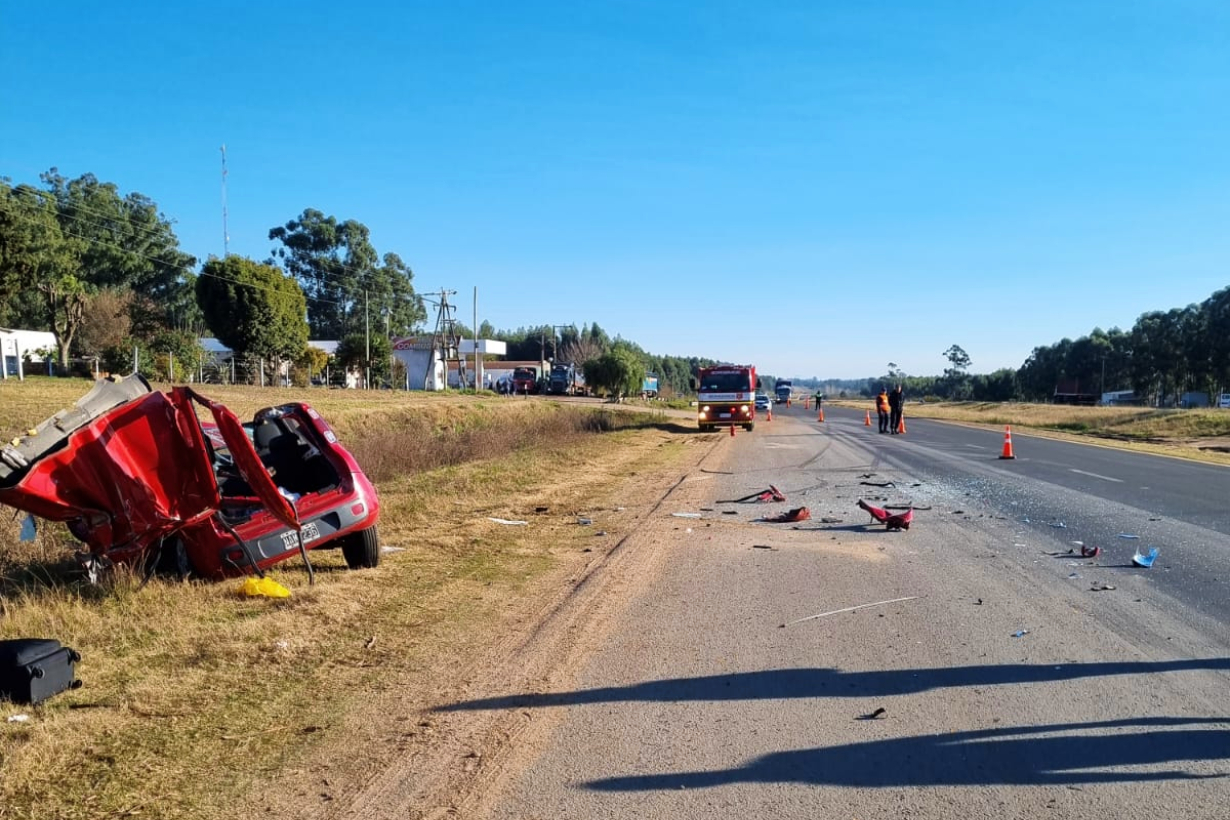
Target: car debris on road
x: 761, y: 497
x: 1145, y: 559
x: 901, y: 521
x: 850, y: 609
x: 797, y: 514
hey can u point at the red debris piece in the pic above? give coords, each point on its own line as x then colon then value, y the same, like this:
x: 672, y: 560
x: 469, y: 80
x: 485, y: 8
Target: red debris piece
x: 797, y: 514
x: 901, y: 521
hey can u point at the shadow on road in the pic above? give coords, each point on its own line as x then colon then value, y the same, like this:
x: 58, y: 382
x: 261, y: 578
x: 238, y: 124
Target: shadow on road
x: 1001, y: 756
x: 833, y: 683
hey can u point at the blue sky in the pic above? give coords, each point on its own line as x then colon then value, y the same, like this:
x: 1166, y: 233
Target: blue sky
x: 817, y: 188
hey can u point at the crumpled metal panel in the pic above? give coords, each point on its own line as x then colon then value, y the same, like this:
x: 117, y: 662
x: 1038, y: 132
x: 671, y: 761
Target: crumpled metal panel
x: 125, y: 479
x: 245, y: 455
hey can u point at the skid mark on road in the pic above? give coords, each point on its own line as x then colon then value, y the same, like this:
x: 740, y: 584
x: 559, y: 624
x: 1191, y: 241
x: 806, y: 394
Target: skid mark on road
x: 1095, y: 475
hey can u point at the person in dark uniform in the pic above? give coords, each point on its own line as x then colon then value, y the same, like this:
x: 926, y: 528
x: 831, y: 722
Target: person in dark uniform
x: 895, y: 400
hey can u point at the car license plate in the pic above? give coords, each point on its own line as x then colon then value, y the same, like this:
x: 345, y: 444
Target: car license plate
x: 310, y: 533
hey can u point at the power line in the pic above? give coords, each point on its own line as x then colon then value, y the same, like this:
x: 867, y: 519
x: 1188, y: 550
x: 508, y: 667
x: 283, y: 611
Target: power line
x: 107, y: 221
x: 163, y: 262
x: 102, y: 218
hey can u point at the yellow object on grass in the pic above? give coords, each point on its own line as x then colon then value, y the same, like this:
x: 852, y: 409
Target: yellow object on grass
x: 263, y: 588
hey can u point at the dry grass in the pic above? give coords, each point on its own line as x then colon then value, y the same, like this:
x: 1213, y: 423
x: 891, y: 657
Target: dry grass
x: 194, y: 696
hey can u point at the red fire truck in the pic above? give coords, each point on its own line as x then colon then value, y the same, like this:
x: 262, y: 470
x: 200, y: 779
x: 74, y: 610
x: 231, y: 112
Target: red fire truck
x: 726, y: 394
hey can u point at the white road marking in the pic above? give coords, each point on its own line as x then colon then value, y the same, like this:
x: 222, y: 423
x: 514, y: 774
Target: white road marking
x: 976, y: 446
x: 1095, y: 475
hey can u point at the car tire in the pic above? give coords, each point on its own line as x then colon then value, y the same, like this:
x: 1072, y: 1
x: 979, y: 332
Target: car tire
x: 362, y: 549
x: 749, y: 427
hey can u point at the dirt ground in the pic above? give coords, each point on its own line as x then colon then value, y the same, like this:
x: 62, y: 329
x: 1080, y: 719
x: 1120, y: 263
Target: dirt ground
x: 429, y: 763
x: 396, y: 757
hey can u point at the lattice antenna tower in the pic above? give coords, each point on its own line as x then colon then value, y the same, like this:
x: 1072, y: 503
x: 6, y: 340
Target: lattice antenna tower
x: 445, y: 338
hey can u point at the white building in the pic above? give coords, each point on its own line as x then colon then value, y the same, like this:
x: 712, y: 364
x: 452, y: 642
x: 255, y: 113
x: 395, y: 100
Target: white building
x: 425, y: 369
x: 19, y: 346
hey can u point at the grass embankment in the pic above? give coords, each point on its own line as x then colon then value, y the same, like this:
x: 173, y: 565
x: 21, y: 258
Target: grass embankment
x: 1200, y: 434
x: 193, y: 695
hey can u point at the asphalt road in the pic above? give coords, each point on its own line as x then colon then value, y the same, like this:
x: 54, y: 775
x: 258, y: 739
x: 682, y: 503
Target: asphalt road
x: 1116, y: 499
x: 1017, y: 680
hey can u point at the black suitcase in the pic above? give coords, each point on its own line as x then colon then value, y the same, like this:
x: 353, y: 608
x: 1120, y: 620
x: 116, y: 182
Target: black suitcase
x: 34, y: 669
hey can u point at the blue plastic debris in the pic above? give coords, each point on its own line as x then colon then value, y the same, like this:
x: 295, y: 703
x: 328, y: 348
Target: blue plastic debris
x: 28, y: 528
x: 1127, y: 535
x: 1021, y: 633
x: 1146, y: 560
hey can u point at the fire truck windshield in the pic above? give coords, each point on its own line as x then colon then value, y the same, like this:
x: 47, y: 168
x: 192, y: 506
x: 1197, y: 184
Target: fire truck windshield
x: 726, y: 383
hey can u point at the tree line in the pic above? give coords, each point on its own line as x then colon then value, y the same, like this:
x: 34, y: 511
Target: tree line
x: 104, y: 271
x: 1163, y: 356
x: 590, y: 343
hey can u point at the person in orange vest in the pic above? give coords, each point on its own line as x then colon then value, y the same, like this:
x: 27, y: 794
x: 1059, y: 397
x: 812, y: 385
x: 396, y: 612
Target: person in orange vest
x: 882, y: 410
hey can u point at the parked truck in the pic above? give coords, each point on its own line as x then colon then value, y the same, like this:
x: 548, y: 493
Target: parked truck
x: 525, y: 380
x: 649, y: 387
x: 782, y: 391
x: 566, y: 380
x: 726, y: 394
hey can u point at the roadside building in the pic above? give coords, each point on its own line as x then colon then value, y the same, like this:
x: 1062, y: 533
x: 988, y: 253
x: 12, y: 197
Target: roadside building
x: 1071, y: 391
x: 1121, y: 398
x: 426, y: 368
x: 19, y: 348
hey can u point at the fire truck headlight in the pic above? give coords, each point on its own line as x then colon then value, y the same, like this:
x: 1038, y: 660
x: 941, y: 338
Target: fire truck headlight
x: 745, y: 409
x: 705, y: 409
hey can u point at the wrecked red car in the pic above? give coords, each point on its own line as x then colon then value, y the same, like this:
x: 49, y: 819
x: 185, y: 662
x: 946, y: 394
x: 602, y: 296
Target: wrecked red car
x: 140, y: 477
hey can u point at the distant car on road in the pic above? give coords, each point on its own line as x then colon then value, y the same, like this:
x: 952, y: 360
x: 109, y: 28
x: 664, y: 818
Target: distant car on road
x: 763, y: 401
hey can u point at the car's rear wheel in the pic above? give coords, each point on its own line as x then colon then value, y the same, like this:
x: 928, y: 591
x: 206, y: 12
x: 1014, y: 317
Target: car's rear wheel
x: 362, y: 549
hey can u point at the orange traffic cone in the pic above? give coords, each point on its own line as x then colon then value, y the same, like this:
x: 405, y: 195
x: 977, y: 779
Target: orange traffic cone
x: 820, y: 415
x: 806, y: 404
x: 901, y: 426
x: 867, y: 419
x: 1007, y: 442
x: 732, y: 431
x: 770, y: 418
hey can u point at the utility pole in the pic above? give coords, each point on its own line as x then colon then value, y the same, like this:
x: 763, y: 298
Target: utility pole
x: 367, y: 335
x: 478, y: 359
x: 226, y: 235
